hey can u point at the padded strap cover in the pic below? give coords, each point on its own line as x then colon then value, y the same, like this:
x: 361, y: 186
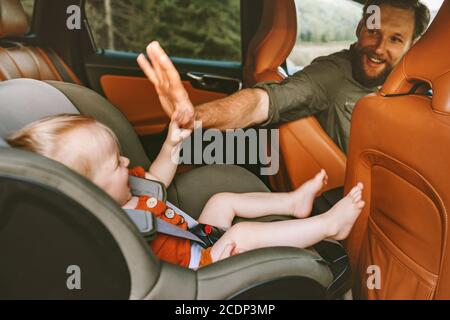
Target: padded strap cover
x: 148, y: 226
x: 140, y: 186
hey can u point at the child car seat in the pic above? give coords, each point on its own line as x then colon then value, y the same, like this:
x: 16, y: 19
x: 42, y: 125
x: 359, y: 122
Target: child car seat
x: 62, y: 237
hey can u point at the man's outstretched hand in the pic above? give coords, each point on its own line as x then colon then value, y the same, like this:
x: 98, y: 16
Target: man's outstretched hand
x: 172, y: 94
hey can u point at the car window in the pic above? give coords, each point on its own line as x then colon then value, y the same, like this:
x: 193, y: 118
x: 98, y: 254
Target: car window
x: 434, y: 6
x: 28, y: 5
x: 323, y: 27
x: 316, y: 38
x: 195, y: 29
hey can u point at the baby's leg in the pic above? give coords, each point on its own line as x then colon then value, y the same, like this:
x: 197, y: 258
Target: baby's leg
x: 302, y: 233
x: 221, y: 209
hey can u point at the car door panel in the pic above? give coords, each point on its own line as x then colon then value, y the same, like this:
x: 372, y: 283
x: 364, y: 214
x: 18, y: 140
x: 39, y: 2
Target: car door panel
x: 117, y: 76
x: 137, y: 99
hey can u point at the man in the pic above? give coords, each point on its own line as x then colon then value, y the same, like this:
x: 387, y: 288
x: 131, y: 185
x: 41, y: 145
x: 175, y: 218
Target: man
x: 328, y: 88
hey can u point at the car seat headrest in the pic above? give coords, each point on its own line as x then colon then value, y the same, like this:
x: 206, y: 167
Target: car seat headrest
x: 13, y: 19
x: 27, y: 100
x: 427, y: 61
x: 272, y: 43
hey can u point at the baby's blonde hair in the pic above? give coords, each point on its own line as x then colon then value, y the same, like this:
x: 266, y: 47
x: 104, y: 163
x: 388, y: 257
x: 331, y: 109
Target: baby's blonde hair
x: 48, y: 137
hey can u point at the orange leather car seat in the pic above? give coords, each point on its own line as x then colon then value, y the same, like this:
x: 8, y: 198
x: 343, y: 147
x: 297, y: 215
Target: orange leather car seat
x: 305, y: 148
x: 18, y: 60
x: 399, y: 148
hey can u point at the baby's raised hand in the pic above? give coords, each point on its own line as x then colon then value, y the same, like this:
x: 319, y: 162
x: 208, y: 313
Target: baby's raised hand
x: 176, y: 134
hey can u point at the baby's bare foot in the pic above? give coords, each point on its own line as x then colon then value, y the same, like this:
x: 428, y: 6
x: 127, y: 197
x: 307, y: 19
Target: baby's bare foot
x: 303, y: 197
x: 344, y: 213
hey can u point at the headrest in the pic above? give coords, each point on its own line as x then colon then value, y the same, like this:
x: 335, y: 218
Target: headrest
x: 26, y: 100
x: 13, y: 19
x: 272, y: 43
x: 427, y: 61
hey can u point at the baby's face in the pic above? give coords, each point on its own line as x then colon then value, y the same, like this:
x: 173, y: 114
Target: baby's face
x: 112, y: 176
x: 96, y: 155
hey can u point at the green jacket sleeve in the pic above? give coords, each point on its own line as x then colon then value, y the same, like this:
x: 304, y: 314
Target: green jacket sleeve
x: 307, y: 92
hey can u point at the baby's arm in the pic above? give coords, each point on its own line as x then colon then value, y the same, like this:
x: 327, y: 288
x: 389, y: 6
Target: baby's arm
x: 165, y: 165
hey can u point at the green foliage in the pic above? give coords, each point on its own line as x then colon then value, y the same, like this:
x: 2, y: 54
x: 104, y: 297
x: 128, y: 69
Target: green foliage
x: 187, y: 28
x: 207, y: 29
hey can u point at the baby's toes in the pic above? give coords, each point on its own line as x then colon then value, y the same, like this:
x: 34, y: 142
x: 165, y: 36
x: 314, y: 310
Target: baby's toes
x: 360, y: 204
x: 357, y: 197
x: 353, y: 191
x: 322, y: 174
x: 353, y: 197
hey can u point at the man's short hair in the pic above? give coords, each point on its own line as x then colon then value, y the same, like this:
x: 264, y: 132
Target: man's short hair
x: 422, y: 14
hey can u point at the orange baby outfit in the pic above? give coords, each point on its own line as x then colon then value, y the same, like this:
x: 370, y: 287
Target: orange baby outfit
x: 166, y: 247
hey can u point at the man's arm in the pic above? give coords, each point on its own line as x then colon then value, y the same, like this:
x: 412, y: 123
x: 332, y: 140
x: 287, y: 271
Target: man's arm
x: 306, y: 93
x: 245, y: 108
x: 242, y: 109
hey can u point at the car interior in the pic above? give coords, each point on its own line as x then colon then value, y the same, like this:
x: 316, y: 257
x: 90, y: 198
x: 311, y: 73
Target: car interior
x: 50, y: 216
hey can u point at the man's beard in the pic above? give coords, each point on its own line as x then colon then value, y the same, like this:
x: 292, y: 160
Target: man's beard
x: 358, y: 69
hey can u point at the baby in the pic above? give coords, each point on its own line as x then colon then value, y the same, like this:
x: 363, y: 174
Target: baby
x: 91, y: 149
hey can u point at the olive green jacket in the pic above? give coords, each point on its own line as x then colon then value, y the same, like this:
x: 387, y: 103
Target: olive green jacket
x: 326, y: 88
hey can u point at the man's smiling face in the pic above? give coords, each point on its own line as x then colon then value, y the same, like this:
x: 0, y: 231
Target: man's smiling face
x: 379, y: 50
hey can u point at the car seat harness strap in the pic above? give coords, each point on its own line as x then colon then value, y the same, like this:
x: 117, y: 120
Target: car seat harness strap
x: 149, y: 224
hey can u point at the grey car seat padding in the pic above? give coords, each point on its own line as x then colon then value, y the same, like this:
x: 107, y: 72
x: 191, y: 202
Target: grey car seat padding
x: 20, y: 106
x: 141, y: 186
x: 26, y: 100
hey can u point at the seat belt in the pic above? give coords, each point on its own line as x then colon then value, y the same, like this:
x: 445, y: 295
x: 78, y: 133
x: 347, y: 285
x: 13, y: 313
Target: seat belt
x: 190, y: 221
x: 149, y: 224
x: 153, y: 188
x: 58, y: 65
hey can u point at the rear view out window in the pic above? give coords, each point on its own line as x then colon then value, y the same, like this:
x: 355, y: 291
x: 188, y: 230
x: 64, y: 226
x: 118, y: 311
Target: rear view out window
x: 28, y: 5
x: 196, y: 29
x: 324, y: 27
